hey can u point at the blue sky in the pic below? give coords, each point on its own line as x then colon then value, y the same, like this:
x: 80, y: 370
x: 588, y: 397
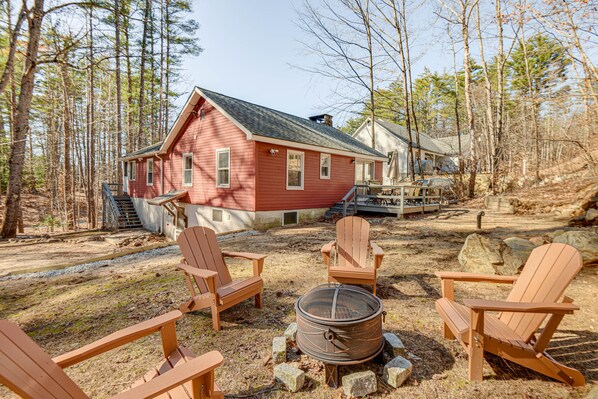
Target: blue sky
x: 250, y: 47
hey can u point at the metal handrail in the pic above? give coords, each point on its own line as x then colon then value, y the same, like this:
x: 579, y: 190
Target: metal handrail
x: 110, y: 203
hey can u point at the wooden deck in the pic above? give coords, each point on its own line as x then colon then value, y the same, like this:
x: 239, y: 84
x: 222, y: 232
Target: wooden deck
x: 398, y: 200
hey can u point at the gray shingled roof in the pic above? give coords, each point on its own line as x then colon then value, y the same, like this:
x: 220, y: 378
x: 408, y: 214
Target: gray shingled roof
x: 426, y: 142
x: 450, y: 144
x: 267, y: 122
x: 145, y: 150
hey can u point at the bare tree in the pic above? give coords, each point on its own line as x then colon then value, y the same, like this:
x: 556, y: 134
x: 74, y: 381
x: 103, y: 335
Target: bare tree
x: 16, y: 161
x: 460, y: 14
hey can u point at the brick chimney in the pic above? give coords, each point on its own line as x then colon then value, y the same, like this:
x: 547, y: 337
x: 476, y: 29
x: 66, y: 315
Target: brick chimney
x: 326, y: 119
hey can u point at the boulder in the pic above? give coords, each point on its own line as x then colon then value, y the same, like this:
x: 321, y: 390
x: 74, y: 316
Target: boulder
x: 393, y: 345
x: 488, y: 255
x: 397, y: 371
x: 520, y: 247
x: 279, y: 350
x: 292, y: 377
x: 551, y: 236
x: 591, y: 215
x: 585, y: 241
x: 291, y: 332
x: 359, y: 384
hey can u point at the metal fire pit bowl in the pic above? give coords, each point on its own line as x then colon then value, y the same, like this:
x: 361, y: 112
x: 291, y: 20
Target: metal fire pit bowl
x: 339, y: 325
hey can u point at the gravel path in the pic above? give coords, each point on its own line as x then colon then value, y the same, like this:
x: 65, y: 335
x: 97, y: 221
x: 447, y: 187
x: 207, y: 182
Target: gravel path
x: 122, y: 260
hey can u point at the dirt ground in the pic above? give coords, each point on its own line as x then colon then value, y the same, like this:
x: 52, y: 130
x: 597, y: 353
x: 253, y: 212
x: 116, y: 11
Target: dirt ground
x: 47, y: 252
x: 66, y: 312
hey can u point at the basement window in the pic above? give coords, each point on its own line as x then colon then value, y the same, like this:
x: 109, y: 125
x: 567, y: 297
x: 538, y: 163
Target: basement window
x: 290, y: 218
x: 217, y: 215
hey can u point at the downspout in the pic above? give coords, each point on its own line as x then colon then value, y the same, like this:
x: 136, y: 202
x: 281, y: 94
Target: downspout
x: 161, y: 190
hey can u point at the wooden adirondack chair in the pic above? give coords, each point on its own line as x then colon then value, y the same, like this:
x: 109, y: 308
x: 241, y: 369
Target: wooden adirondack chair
x: 353, y: 253
x: 28, y: 371
x: 204, y: 262
x: 537, y: 293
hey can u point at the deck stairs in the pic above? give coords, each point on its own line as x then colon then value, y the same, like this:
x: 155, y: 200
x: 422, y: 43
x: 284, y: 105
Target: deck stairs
x: 337, y: 210
x: 128, y: 219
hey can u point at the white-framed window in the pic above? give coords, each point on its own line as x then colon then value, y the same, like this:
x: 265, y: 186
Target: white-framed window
x: 149, y: 172
x: 188, y: 169
x: 325, y: 162
x: 132, y: 170
x: 223, y: 167
x: 295, y: 169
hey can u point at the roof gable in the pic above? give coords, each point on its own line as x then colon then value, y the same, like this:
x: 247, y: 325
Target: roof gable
x: 261, y: 123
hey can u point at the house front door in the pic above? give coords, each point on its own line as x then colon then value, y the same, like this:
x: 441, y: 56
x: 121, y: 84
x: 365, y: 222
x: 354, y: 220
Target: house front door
x: 364, y: 172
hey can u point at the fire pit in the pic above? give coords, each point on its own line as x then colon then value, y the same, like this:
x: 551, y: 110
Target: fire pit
x: 339, y: 325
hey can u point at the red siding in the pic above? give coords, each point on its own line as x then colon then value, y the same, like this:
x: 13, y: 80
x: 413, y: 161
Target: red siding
x: 271, y: 191
x: 202, y: 138
x: 257, y: 178
x: 139, y: 187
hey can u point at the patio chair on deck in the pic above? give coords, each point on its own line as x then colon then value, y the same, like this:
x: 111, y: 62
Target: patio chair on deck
x: 28, y: 371
x: 513, y: 335
x: 355, y: 259
x: 203, y: 263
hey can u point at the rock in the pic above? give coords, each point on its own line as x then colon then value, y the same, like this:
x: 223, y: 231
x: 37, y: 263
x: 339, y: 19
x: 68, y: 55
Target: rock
x: 292, y: 377
x: 488, y: 255
x: 397, y: 371
x: 279, y: 350
x: 291, y: 332
x: 554, y: 234
x: 537, y: 241
x: 393, y: 345
x: 360, y: 384
x: 585, y: 241
x: 593, y: 394
x: 591, y: 215
x: 520, y: 247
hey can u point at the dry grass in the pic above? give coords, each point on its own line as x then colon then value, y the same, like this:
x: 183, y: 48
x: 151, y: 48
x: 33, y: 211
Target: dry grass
x: 66, y: 312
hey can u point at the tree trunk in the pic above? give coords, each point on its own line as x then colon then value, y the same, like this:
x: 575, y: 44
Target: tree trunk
x: 12, y: 202
x: 498, y: 144
x: 405, y: 90
x: 91, y: 161
x: 140, y: 114
x: 119, y: 127
x: 468, y: 103
x: 67, y: 123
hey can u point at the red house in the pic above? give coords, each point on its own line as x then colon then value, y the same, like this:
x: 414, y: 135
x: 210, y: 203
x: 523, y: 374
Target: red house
x: 236, y: 165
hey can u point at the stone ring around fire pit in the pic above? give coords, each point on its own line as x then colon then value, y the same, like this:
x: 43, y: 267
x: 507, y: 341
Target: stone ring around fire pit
x: 339, y: 325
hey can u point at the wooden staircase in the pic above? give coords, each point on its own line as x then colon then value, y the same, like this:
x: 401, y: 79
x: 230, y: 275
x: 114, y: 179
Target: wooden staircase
x: 337, y: 209
x: 118, y: 211
x: 129, y: 219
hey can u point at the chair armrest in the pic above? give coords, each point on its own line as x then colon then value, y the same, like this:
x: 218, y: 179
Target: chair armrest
x: 205, y: 274
x: 117, y: 339
x: 378, y: 254
x: 176, y: 377
x: 523, y: 307
x: 327, y: 248
x: 243, y: 255
x: 476, y: 277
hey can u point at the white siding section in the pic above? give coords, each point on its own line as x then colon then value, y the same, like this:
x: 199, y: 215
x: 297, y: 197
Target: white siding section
x: 385, y: 143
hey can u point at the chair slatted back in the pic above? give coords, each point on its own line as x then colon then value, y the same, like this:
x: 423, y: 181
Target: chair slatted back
x: 200, y: 249
x: 28, y: 371
x: 547, y: 273
x: 352, y: 242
